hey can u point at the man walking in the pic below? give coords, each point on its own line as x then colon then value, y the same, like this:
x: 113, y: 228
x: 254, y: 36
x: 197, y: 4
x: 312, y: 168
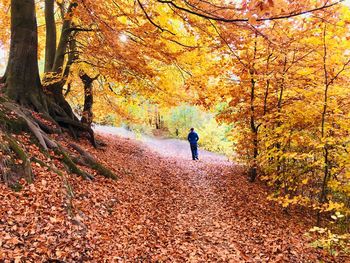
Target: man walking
x: 193, y: 139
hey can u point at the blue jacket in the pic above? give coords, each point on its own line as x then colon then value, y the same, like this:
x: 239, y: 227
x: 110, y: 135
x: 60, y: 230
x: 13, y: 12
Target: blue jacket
x: 192, y: 137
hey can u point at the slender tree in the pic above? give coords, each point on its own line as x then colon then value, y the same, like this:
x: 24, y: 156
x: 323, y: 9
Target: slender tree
x: 51, y: 35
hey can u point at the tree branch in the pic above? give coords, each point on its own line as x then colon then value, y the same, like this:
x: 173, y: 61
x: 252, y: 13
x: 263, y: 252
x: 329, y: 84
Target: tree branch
x: 228, y: 45
x: 151, y: 21
x: 226, y: 20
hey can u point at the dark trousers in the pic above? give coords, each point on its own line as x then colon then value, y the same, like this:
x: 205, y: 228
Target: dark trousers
x: 194, y: 150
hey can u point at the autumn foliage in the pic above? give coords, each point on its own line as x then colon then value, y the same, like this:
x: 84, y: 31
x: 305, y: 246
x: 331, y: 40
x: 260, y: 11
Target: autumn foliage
x: 290, y: 102
x: 266, y: 82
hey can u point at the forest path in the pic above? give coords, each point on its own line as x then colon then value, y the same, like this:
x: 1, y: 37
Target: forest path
x: 173, y: 209
x: 164, y: 146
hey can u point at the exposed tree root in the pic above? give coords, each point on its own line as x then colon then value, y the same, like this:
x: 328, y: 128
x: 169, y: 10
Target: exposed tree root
x: 3, y: 161
x: 101, y: 143
x: 42, y: 137
x: 92, y: 163
x: 78, y: 125
x: 18, y: 150
x: 15, y: 115
x: 71, y: 165
x: 62, y: 113
x: 46, y: 128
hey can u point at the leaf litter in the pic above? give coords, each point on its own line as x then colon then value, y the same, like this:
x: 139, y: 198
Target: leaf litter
x: 162, y: 209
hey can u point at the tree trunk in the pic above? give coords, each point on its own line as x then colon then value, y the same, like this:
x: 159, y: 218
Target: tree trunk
x: 324, y: 187
x: 64, y: 40
x: 51, y: 36
x: 53, y: 84
x: 22, y: 81
x: 22, y: 74
x: 88, y: 99
x: 280, y: 163
x: 55, y: 60
x: 156, y: 117
x: 252, y: 173
x: 254, y: 127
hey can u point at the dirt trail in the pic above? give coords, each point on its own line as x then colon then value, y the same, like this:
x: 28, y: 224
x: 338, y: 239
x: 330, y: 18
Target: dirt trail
x: 173, y: 209
x: 164, y: 208
x: 179, y: 149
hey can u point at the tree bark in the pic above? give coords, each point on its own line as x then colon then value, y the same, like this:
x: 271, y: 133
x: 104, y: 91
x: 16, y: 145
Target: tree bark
x: 254, y: 127
x: 324, y: 187
x: 64, y: 40
x: 54, y: 83
x: 22, y: 74
x: 88, y: 99
x: 51, y: 35
x: 22, y: 81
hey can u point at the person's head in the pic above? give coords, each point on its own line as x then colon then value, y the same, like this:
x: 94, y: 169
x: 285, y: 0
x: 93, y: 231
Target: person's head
x: 192, y: 129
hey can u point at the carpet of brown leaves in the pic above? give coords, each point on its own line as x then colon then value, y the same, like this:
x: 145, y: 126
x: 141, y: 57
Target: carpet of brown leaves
x: 162, y: 209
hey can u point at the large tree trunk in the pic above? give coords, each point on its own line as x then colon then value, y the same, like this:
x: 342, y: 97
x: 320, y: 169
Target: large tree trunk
x: 22, y: 73
x: 22, y: 81
x: 51, y: 36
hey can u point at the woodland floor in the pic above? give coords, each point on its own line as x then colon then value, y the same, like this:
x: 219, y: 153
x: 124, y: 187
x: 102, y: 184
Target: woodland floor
x: 164, y: 208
